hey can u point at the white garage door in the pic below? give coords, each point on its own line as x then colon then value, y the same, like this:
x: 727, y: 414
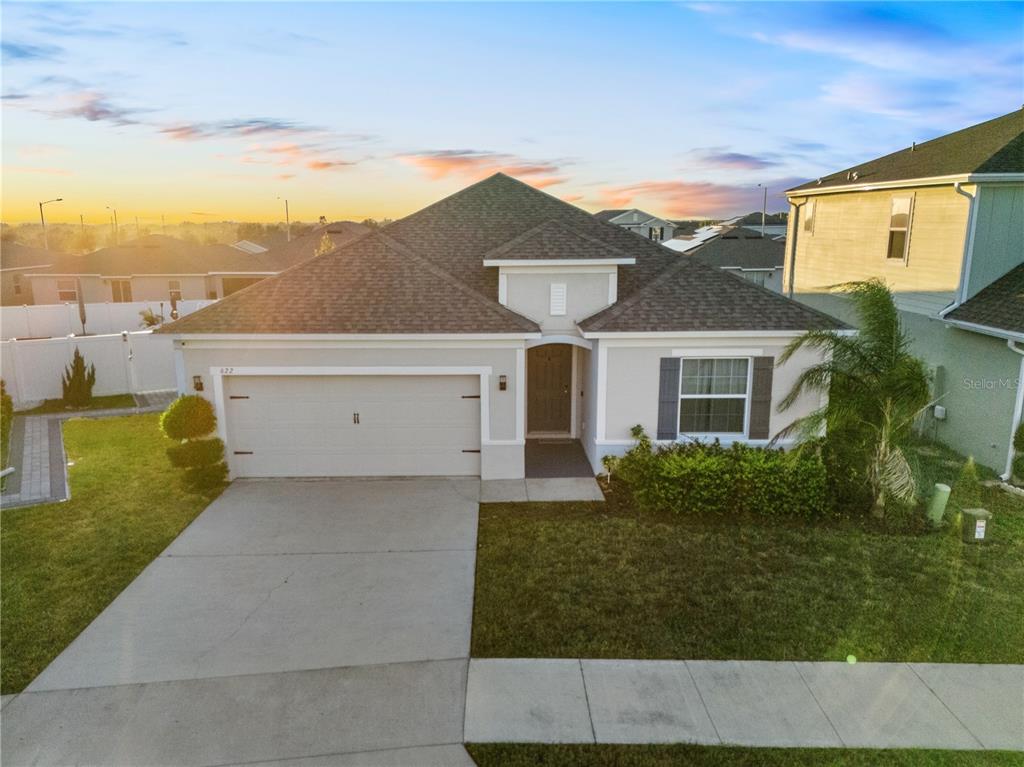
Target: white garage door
x: 353, y: 426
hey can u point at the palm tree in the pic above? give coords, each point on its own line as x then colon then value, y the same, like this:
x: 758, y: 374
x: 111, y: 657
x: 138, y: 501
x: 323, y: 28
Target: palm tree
x: 876, y: 389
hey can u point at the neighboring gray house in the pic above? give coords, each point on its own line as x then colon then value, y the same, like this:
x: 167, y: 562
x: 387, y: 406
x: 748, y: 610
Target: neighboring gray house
x: 17, y: 260
x: 644, y: 224
x: 942, y: 223
x: 746, y: 254
x: 455, y: 340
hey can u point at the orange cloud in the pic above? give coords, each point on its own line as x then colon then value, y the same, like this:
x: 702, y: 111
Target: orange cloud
x: 683, y: 199
x: 475, y: 165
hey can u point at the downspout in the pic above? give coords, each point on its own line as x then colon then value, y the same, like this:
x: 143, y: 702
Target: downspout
x: 792, y: 248
x: 965, y: 264
x: 1018, y: 410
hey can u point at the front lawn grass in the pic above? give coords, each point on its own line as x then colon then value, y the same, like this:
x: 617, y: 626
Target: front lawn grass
x: 533, y: 755
x: 587, y: 580
x: 62, y: 563
x: 107, y: 402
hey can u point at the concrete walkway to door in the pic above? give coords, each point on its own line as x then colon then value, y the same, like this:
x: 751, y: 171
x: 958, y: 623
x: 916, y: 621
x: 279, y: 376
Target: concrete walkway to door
x: 291, y: 619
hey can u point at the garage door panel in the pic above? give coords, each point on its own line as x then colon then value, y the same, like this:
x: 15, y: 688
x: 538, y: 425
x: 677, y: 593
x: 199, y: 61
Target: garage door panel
x: 304, y: 425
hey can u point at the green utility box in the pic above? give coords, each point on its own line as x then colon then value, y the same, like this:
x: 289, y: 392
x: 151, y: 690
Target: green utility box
x: 975, y: 527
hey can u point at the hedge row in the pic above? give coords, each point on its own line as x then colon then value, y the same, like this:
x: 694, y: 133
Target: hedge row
x: 700, y: 478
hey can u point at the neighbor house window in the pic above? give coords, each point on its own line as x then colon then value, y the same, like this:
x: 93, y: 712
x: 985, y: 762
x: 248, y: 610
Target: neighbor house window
x: 17, y: 284
x: 174, y: 289
x: 713, y: 396
x: 756, y: 277
x: 67, y: 290
x: 809, y: 216
x: 657, y: 233
x: 121, y: 291
x: 899, y: 228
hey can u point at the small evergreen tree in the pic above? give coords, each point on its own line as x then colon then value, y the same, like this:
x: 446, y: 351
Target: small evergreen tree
x: 77, y: 381
x: 190, y: 420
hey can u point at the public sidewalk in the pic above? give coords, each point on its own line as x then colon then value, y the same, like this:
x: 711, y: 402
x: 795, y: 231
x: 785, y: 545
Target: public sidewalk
x: 37, y: 451
x: 751, y: 703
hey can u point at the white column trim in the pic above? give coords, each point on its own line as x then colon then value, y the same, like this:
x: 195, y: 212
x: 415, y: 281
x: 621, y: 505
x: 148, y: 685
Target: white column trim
x: 503, y: 289
x: 520, y: 394
x: 613, y: 287
x: 573, y: 387
x: 602, y: 390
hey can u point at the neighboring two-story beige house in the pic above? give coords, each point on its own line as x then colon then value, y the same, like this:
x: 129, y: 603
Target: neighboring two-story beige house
x: 939, y: 222
x: 469, y: 337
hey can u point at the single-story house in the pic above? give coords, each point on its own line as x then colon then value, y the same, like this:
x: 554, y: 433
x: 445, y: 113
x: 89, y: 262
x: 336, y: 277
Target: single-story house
x: 747, y: 254
x: 447, y: 342
x: 640, y: 222
x: 17, y: 260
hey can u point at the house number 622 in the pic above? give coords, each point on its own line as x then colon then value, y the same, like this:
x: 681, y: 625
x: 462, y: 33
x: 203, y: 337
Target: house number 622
x: 226, y: 371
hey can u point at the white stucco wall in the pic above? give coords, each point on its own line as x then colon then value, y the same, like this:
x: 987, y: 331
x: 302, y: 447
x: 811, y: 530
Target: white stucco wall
x: 632, y: 374
x: 502, y: 456
x: 528, y: 292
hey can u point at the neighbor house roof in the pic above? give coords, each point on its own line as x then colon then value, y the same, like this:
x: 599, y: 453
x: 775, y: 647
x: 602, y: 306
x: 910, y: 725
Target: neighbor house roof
x: 555, y: 240
x: 374, y: 285
x: 15, y: 256
x: 425, y: 274
x: 608, y: 215
x: 999, y: 306
x: 157, y: 254
x: 287, y: 254
x: 741, y: 249
x: 994, y: 146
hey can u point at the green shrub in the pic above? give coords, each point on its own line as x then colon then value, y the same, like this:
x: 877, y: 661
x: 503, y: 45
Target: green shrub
x: 196, y: 453
x: 206, y: 477
x: 1018, y: 438
x: 77, y: 381
x: 699, y: 478
x: 6, y: 419
x: 188, y: 417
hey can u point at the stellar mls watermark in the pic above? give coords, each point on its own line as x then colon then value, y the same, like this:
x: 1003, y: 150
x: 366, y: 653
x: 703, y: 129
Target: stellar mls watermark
x: 991, y: 384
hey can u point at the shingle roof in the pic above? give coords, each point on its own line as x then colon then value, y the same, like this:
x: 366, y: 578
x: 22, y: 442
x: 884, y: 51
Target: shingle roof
x: 303, y: 248
x: 608, y: 215
x: 425, y: 274
x: 692, y: 296
x: 14, y: 255
x: 995, y: 146
x: 157, y: 254
x: 554, y: 240
x: 374, y: 285
x: 739, y: 249
x: 999, y: 306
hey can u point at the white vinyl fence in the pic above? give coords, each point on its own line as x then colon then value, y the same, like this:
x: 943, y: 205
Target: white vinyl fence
x: 125, y: 363
x: 58, y: 320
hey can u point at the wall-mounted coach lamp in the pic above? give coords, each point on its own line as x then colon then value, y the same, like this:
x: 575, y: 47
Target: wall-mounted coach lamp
x: 197, y: 383
x: 502, y: 383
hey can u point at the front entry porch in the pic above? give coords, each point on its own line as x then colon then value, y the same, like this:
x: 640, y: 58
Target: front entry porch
x: 556, y: 458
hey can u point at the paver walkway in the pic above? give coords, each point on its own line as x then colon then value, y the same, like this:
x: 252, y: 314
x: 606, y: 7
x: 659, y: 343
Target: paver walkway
x: 37, y: 450
x: 751, y: 703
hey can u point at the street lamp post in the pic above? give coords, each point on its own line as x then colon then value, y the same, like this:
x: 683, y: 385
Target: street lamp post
x: 287, y: 223
x: 114, y: 211
x: 42, y: 219
x: 764, y: 207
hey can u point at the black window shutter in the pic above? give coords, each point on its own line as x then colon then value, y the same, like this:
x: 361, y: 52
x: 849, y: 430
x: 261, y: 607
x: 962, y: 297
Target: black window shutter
x: 761, y: 398
x: 668, y: 399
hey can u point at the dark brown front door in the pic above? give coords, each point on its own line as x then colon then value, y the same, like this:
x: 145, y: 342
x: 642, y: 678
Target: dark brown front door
x: 548, y: 388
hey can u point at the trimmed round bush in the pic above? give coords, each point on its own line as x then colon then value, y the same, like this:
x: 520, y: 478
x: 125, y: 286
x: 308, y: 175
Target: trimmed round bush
x: 206, y: 477
x: 195, y: 453
x: 188, y: 417
x: 1018, y: 438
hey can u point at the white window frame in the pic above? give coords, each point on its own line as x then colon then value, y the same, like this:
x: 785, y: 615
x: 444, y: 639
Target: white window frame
x: 904, y: 259
x: 726, y: 436
x: 61, y: 292
x: 16, y: 283
x: 119, y: 285
x: 558, y: 299
x: 171, y: 289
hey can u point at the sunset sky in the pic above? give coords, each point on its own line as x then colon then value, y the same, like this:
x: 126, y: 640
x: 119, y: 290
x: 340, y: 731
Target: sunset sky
x: 211, y: 111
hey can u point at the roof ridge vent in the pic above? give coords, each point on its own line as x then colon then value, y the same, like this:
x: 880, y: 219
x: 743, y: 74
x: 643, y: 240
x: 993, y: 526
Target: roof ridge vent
x: 913, y: 146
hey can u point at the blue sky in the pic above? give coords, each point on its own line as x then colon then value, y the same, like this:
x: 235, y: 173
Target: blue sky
x: 196, y: 110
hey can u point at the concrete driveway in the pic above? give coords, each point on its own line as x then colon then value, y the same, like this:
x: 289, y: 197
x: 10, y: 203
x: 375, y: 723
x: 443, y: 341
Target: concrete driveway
x: 291, y: 619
